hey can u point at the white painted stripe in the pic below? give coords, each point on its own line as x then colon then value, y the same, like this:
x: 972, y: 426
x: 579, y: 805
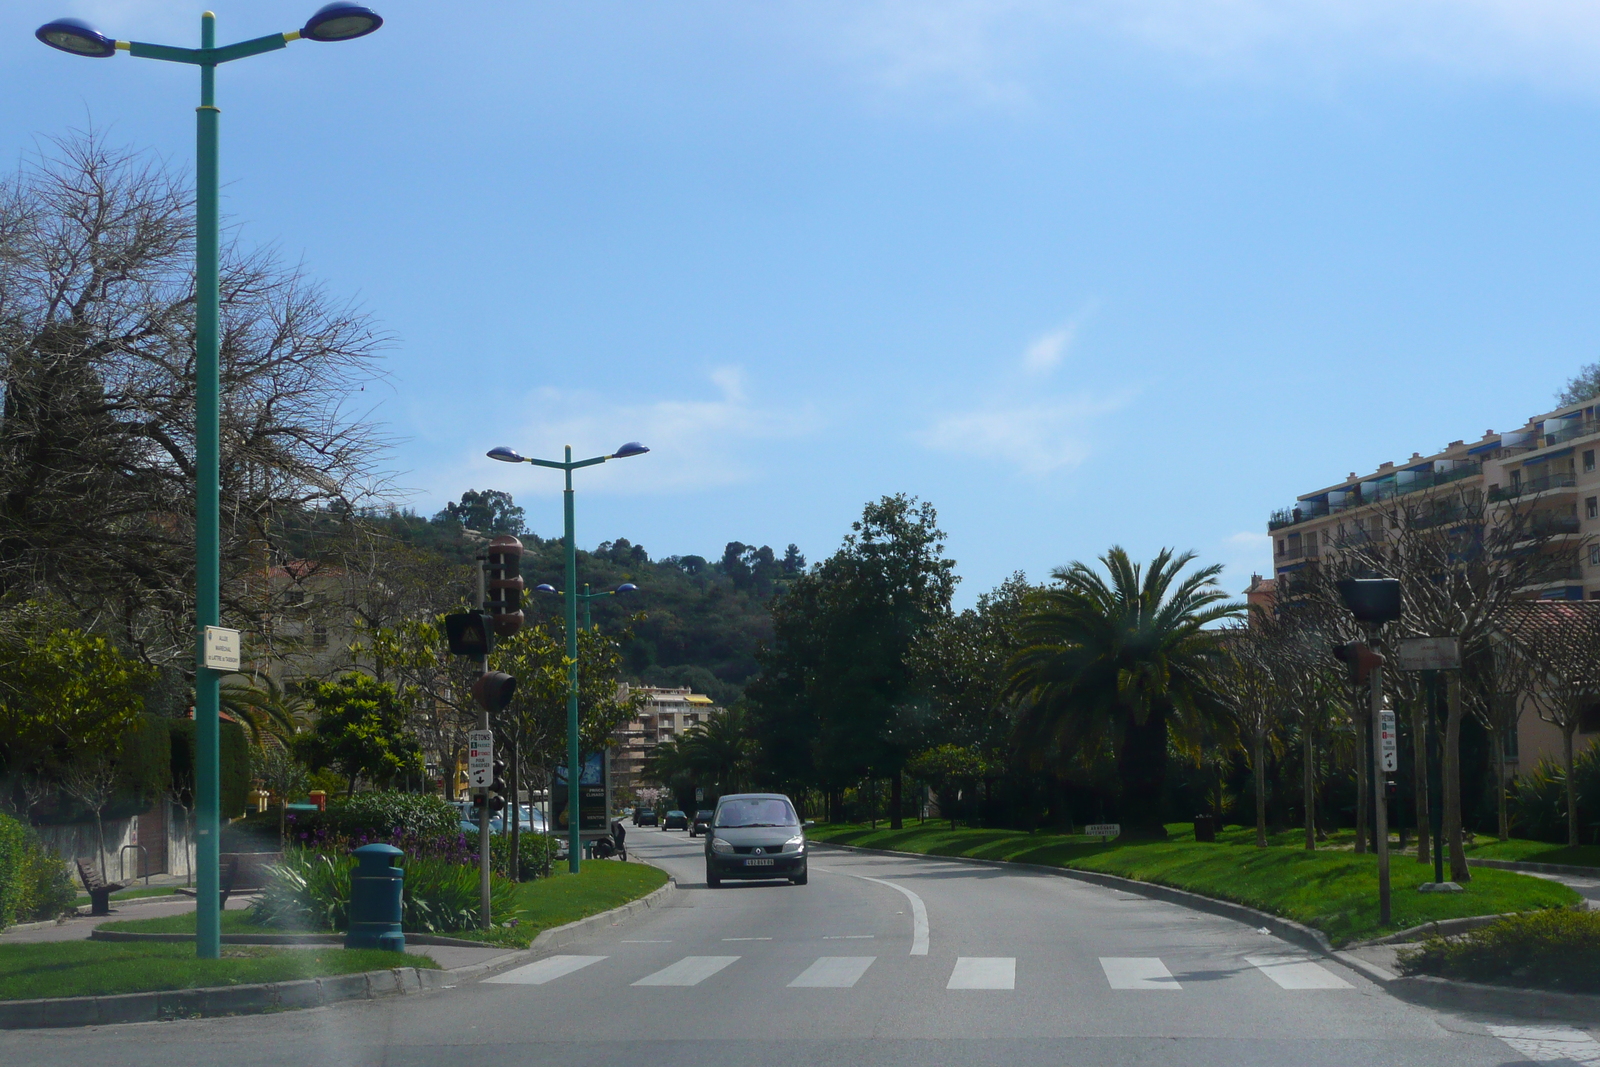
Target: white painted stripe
x: 1546, y: 1043
x: 984, y: 972
x: 691, y: 970
x: 747, y: 939
x: 833, y: 972
x: 1136, y: 972
x: 542, y: 971
x: 1297, y: 972
x: 848, y: 937
x: 919, y: 916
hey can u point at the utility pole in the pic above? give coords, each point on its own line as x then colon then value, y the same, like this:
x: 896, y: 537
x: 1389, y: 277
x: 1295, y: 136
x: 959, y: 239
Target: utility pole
x: 1384, y: 760
x: 485, y: 851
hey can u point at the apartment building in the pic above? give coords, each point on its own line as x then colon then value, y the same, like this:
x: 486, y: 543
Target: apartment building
x: 665, y: 714
x: 1546, y: 467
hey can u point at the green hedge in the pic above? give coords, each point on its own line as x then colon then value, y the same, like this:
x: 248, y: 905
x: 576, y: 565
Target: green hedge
x: 34, y: 884
x: 234, y: 751
x: 1553, y: 949
x: 377, y: 816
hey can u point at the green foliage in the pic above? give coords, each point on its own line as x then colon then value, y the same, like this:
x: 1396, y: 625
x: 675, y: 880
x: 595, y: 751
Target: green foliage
x: 66, y: 690
x: 1550, y: 949
x: 717, y: 755
x: 311, y: 891
x: 1581, y: 386
x: 1538, y: 799
x: 360, y: 731
x: 379, y: 814
x: 34, y: 884
x: 490, y: 512
x: 233, y: 750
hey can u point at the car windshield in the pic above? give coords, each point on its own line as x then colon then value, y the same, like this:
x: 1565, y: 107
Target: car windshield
x: 767, y: 811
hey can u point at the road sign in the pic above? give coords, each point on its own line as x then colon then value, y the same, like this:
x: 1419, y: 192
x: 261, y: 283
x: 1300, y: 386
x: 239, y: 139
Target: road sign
x: 1388, y: 742
x: 699, y: 795
x: 222, y: 648
x: 1429, y: 653
x: 480, y: 758
x: 1103, y: 829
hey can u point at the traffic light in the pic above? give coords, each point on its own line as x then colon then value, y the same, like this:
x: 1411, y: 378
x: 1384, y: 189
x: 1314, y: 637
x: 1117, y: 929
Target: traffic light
x: 1371, y: 599
x: 1359, y: 659
x: 493, y: 691
x: 495, y: 795
x: 503, y: 568
x: 469, y: 633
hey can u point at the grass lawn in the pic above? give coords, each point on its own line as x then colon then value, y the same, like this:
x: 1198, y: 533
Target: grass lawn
x: 131, y: 894
x: 561, y: 898
x: 100, y: 968
x: 1535, y: 852
x: 1333, y: 890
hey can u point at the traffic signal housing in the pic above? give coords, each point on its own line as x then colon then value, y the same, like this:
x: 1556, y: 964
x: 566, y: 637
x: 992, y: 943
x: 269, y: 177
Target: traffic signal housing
x: 1375, y: 600
x: 493, y: 691
x: 495, y: 795
x: 503, y: 596
x: 1359, y: 659
x: 469, y: 633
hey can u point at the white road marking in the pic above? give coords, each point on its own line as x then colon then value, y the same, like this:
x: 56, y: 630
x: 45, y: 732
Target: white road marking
x: 747, y: 939
x: 1545, y: 1043
x: 849, y: 937
x: 919, y: 915
x: 691, y: 970
x: 644, y: 941
x: 1297, y: 972
x: 984, y: 972
x: 542, y: 971
x: 1136, y: 972
x: 833, y: 972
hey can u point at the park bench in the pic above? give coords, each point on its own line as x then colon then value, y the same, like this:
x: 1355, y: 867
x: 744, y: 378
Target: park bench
x: 99, y: 889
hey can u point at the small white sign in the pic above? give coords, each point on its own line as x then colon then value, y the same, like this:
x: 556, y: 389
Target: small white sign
x: 1388, y: 742
x: 1103, y: 829
x: 481, y: 777
x: 221, y: 648
x: 1429, y: 654
x: 480, y: 751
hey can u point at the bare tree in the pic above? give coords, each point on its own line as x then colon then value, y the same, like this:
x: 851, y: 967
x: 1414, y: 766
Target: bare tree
x: 1497, y: 676
x: 1247, y: 682
x: 92, y: 780
x: 97, y: 423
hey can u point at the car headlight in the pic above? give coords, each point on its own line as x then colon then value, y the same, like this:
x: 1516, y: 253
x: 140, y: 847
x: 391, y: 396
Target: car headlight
x: 797, y: 842
x: 719, y: 845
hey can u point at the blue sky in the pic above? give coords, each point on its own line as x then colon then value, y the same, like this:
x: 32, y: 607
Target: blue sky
x: 1080, y: 273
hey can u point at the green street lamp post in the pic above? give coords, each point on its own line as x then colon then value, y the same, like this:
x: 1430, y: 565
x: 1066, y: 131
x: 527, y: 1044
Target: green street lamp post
x: 333, y: 22
x: 509, y: 455
x: 586, y: 596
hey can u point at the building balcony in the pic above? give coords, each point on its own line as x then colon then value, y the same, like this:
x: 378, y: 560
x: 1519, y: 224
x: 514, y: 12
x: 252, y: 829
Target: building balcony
x: 1533, y: 486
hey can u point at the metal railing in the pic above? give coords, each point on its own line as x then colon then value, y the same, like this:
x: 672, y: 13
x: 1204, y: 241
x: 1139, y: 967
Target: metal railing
x: 1534, y: 485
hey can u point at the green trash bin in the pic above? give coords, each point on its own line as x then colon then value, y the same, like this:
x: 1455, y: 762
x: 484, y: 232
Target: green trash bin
x: 375, y: 888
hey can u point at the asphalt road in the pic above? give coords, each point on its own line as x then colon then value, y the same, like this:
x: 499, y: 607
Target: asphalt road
x: 878, y: 961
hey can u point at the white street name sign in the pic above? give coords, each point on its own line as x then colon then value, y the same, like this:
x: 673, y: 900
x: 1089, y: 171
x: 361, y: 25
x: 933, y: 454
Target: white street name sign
x: 480, y: 758
x: 1103, y: 829
x: 221, y: 648
x: 1430, y: 654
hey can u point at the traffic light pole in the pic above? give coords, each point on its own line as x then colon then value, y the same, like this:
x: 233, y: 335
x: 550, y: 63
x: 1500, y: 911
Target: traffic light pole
x: 1380, y: 799
x: 485, y: 851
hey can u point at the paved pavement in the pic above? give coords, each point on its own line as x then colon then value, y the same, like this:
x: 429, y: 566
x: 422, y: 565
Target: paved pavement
x: 879, y: 961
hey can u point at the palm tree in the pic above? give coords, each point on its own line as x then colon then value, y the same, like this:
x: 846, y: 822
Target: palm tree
x: 721, y: 749
x: 264, y: 707
x: 1117, y: 664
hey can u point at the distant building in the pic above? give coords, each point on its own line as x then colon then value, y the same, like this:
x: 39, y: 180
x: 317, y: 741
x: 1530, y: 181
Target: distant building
x: 665, y: 714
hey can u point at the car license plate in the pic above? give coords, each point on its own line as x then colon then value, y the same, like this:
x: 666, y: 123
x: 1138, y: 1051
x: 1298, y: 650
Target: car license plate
x: 758, y: 863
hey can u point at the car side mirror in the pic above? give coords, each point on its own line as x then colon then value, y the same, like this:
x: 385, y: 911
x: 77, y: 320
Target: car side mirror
x: 808, y: 824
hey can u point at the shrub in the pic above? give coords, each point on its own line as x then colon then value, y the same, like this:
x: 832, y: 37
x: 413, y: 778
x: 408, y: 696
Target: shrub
x: 34, y: 884
x: 379, y: 816
x: 311, y: 891
x: 1538, y: 799
x: 1553, y: 949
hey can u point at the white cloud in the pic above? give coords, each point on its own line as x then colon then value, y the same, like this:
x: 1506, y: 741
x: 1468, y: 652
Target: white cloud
x: 695, y: 443
x: 1042, y: 356
x: 1038, y: 437
x: 1244, y: 553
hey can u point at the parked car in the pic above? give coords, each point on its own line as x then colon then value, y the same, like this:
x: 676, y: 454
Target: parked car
x: 756, y: 835
x: 675, y: 820
x: 645, y: 817
x: 701, y: 823
x: 532, y: 819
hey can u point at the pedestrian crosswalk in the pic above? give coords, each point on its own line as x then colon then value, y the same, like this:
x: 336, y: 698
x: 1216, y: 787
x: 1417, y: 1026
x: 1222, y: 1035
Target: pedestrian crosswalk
x: 1287, y: 971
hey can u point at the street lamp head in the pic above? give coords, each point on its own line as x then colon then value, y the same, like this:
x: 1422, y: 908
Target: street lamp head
x: 340, y: 21
x: 505, y: 455
x: 632, y: 448
x: 627, y: 587
x: 545, y: 587
x: 78, y: 37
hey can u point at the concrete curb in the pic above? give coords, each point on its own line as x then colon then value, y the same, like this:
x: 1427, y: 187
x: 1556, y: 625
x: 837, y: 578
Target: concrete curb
x: 1440, y: 928
x: 307, y: 992
x: 101, y: 934
x: 1425, y: 990
x: 1537, y: 868
x: 1291, y: 931
x: 221, y: 1000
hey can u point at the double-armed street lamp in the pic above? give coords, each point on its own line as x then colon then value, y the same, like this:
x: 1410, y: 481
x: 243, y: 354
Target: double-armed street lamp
x: 509, y: 455
x: 332, y: 22
x: 586, y: 596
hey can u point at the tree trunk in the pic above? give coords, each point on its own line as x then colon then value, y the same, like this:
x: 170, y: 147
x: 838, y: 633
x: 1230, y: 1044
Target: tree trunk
x: 1459, y: 872
x: 896, y: 799
x: 1363, y: 746
x: 1142, y: 769
x: 1260, y: 769
x: 1308, y: 786
x: 1502, y: 818
x: 1572, y: 791
x: 1419, y: 775
x: 515, y: 824
x: 100, y: 841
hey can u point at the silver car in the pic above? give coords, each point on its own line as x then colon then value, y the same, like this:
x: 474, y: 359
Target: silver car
x: 756, y: 835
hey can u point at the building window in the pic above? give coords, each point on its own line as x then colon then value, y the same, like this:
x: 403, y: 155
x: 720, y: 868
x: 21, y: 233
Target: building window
x: 1516, y: 479
x: 1588, y: 460
x: 1280, y: 546
x: 319, y: 636
x: 1591, y: 507
x: 1589, y: 719
x: 1508, y: 743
